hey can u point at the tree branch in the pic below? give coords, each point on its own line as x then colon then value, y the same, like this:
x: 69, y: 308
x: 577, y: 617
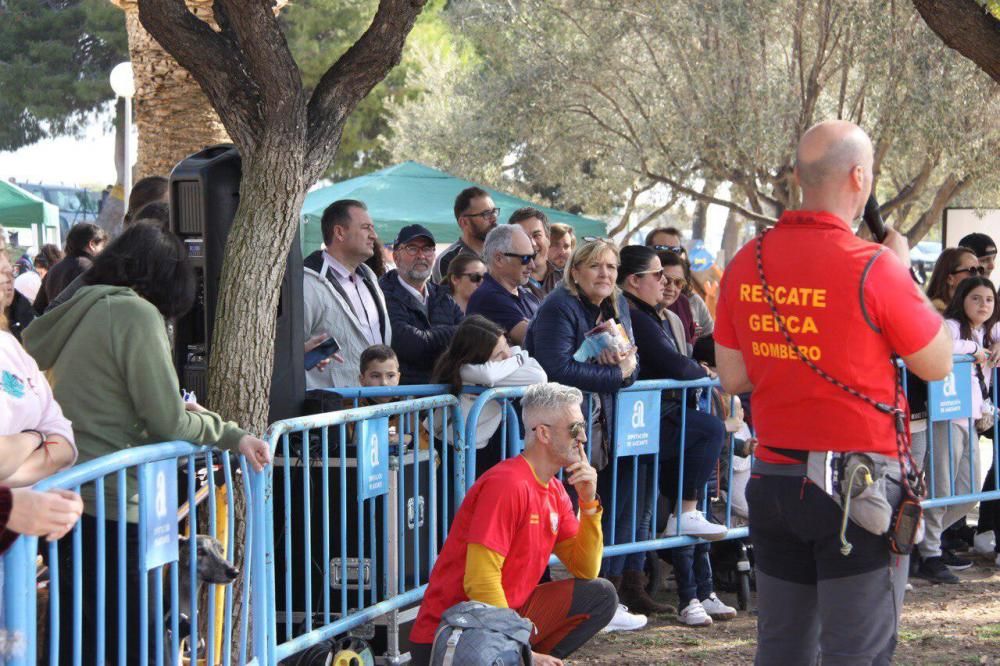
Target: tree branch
x: 214, y: 62
x: 965, y: 26
x: 698, y: 196
x: 353, y: 76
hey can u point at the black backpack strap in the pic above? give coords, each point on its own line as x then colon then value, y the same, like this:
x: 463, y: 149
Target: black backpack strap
x: 861, y: 290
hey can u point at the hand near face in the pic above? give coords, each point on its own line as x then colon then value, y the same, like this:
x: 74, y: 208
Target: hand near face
x: 582, y: 476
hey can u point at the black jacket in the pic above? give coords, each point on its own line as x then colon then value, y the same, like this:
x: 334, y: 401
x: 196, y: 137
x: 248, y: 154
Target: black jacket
x: 659, y: 357
x: 19, y: 314
x: 419, y: 334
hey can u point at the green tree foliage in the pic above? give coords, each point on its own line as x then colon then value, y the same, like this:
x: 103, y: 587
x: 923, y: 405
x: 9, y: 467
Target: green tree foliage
x: 319, y: 31
x: 596, y: 101
x: 55, y: 57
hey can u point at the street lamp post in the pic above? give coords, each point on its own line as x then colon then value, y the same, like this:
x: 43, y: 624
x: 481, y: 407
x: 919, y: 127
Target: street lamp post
x: 124, y: 86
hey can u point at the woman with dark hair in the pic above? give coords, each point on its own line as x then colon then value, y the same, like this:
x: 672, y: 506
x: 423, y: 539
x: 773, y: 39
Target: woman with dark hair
x: 465, y: 274
x: 479, y: 355
x: 952, y: 266
x: 48, y: 256
x: 642, y: 278
x: 679, y: 304
x: 109, y: 359
x: 376, y: 262
x: 83, y: 242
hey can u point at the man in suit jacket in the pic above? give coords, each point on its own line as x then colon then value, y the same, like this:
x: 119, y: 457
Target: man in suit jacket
x: 342, y: 298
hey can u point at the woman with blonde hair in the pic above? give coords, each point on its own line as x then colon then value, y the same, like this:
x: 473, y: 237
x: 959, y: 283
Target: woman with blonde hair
x: 588, y: 297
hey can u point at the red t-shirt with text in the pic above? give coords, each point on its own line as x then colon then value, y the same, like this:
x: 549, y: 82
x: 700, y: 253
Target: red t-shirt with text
x: 508, y: 511
x: 820, y: 274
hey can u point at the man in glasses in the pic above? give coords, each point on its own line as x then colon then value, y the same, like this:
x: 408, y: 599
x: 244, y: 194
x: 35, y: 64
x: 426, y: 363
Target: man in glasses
x: 475, y: 214
x: 512, y: 520
x: 423, y: 317
x: 502, y: 298
x: 546, y: 276
x: 666, y: 239
x: 985, y: 249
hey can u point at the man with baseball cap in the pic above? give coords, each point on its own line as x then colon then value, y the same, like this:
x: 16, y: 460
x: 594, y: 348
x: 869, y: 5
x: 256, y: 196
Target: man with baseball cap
x: 423, y: 315
x: 984, y: 247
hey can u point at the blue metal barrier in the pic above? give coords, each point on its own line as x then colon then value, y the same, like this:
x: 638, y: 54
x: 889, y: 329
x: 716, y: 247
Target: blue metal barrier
x: 388, y: 563
x: 509, y: 424
x: 118, y: 480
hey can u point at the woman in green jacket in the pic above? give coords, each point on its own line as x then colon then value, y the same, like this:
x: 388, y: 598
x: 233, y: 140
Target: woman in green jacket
x: 110, y: 365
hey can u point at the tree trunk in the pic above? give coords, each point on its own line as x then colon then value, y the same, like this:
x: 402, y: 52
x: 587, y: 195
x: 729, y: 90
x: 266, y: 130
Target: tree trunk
x: 967, y: 27
x: 172, y: 114
x: 700, y: 220
x: 731, y: 237
x: 113, y: 210
x: 271, y: 195
x: 949, y: 189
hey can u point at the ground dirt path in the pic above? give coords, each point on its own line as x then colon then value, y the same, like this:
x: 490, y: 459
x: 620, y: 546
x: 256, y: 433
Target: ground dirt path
x: 942, y: 624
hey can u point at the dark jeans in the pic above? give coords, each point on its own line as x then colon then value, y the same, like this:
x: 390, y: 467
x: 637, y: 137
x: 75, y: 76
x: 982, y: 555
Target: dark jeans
x: 693, y: 570
x: 705, y: 435
x: 812, y: 600
x: 643, y: 515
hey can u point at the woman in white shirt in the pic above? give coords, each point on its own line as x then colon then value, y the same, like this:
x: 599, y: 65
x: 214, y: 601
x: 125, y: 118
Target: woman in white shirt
x: 479, y: 355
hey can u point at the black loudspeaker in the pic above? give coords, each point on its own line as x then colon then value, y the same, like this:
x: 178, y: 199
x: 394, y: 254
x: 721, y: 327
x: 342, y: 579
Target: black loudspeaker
x: 204, y: 195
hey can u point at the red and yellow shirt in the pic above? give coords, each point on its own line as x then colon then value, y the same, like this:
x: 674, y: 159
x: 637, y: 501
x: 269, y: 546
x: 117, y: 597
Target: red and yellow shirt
x: 513, y: 520
x: 847, y: 310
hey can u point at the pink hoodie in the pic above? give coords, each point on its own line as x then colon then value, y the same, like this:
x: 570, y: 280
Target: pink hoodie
x: 26, y: 401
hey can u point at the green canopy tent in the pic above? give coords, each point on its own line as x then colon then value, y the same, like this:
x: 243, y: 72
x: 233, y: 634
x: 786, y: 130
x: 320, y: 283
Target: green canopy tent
x: 411, y: 193
x: 34, y: 221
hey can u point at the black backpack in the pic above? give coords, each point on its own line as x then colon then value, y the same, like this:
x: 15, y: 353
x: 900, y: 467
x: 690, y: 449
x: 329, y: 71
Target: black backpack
x: 476, y: 634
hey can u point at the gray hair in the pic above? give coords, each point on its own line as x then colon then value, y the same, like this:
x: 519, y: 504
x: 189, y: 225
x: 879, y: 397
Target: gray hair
x: 500, y: 240
x: 547, y: 398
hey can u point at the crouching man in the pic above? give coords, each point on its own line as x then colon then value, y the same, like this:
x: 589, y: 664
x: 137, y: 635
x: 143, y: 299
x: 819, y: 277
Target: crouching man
x: 512, y: 519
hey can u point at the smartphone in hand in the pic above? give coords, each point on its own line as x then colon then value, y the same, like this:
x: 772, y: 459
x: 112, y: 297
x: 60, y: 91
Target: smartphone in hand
x: 325, y: 350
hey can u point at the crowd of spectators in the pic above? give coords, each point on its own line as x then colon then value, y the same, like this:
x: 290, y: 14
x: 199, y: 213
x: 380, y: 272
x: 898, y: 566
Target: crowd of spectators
x: 505, y: 305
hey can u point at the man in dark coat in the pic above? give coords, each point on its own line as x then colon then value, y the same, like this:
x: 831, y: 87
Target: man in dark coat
x: 423, y: 315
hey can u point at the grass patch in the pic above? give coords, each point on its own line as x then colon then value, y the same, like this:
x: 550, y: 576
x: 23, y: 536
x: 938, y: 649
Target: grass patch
x: 988, y: 632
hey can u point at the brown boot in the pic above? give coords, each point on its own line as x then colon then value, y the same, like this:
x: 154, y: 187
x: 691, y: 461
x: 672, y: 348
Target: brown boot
x: 633, y: 594
x: 616, y: 581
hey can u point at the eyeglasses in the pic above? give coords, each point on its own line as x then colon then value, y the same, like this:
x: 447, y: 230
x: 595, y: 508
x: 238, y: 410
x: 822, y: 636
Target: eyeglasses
x: 591, y: 239
x: 680, y: 283
x: 676, y: 249
x: 488, y: 214
x: 414, y: 250
x: 525, y: 258
x: 974, y: 270
x: 658, y: 274
x: 576, y: 429
x: 474, y: 278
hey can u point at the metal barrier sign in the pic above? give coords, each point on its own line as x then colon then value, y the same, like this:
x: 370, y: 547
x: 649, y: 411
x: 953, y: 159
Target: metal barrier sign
x: 373, y: 457
x: 951, y: 398
x: 159, y: 508
x: 637, y: 423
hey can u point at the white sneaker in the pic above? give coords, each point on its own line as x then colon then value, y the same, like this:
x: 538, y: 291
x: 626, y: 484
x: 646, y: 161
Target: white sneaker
x: 695, y: 616
x: 716, y: 609
x: 983, y: 543
x: 694, y: 523
x: 625, y: 621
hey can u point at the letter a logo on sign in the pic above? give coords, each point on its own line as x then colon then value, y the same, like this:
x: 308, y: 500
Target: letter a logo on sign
x: 639, y: 415
x: 948, y: 386
x: 161, y: 495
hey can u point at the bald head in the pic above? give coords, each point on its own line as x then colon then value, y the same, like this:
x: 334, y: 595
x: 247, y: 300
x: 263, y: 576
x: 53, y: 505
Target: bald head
x: 829, y: 151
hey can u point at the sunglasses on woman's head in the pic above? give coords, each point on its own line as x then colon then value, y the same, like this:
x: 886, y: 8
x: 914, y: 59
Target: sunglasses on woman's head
x: 676, y: 249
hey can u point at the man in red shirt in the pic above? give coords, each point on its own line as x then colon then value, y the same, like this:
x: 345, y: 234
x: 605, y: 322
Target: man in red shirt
x: 512, y: 520
x: 848, y: 305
